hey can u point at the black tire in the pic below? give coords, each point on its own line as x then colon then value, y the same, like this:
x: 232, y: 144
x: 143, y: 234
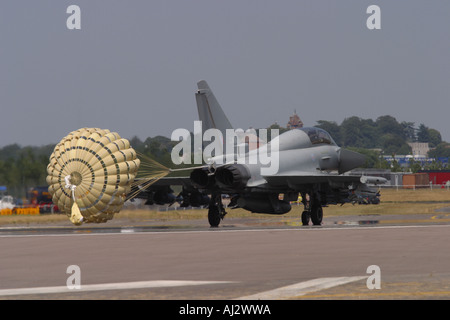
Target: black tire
x: 214, y: 216
x: 316, y: 215
x: 305, y: 218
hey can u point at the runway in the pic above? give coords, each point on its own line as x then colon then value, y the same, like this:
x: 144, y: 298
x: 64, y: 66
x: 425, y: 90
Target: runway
x: 234, y: 261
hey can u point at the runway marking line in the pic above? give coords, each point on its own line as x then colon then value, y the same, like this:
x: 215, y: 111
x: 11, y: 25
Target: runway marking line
x: 295, y: 290
x: 301, y: 229
x: 108, y: 286
x: 302, y: 288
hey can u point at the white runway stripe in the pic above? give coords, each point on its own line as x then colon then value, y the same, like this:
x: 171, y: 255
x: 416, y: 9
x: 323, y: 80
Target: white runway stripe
x: 131, y: 232
x: 302, y: 288
x: 107, y: 286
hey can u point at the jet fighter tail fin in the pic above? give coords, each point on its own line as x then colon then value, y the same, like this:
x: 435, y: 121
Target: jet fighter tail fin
x: 209, y: 110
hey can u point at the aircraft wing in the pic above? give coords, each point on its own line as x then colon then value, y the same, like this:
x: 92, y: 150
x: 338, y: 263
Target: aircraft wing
x: 172, y: 181
x: 308, y: 178
x: 141, y: 189
x: 160, y: 192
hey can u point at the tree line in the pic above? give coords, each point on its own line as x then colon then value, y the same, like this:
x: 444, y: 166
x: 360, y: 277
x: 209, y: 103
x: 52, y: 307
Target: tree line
x: 386, y: 136
x: 23, y: 167
x: 385, y: 133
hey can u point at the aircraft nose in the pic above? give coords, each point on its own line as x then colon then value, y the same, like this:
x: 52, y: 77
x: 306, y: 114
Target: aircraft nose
x: 349, y: 160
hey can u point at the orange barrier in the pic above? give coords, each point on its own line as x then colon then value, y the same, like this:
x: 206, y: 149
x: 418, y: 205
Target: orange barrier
x: 26, y: 211
x: 6, y: 212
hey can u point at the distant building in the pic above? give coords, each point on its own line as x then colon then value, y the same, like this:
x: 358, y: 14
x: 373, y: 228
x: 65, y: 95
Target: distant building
x: 294, y: 121
x: 419, y: 149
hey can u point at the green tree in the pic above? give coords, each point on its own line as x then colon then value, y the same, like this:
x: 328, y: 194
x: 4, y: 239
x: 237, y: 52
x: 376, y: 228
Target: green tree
x: 389, y: 125
x: 351, y: 133
x: 393, y: 144
x: 441, y: 150
x: 137, y: 144
x: 434, y: 137
x: 423, y: 134
x: 359, y: 133
x: 414, y: 166
x: 22, y: 168
x: 409, y: 131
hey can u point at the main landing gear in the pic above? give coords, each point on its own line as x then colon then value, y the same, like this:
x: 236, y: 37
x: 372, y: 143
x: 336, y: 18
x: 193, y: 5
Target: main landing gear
x: 313, y: 210
x: 216, y: 211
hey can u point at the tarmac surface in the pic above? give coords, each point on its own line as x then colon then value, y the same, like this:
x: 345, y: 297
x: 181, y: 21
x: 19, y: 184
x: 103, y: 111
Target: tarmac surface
x: 264, y: 257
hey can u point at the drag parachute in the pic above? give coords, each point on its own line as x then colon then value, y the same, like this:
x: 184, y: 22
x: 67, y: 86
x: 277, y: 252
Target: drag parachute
x: 90, y: 173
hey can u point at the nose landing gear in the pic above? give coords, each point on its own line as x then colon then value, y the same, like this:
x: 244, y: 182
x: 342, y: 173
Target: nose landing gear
x: 313, y: 210
x: 216, y: 211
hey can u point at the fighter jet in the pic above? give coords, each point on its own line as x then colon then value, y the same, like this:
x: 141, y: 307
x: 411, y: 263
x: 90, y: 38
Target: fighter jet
x: 309, y: 164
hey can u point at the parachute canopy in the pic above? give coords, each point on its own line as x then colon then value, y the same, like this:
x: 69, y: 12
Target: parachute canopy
x: 90, y: 173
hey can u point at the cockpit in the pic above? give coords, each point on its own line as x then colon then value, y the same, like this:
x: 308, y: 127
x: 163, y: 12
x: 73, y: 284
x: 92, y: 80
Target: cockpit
x: 318, y: 136
x: 301, y: 138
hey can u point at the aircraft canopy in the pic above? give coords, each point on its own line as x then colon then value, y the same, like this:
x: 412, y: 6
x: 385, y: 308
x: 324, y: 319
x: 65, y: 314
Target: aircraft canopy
x: 318, y: 136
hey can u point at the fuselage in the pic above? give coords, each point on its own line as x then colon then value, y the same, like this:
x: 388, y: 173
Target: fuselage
x: 305, y: 150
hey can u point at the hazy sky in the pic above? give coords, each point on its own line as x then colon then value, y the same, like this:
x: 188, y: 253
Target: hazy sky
x: 134, y: 65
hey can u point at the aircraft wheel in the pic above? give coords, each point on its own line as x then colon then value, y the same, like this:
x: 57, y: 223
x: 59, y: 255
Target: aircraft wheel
x: 316, y: 215
x: 214, y: 216
x: 305, y: 218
